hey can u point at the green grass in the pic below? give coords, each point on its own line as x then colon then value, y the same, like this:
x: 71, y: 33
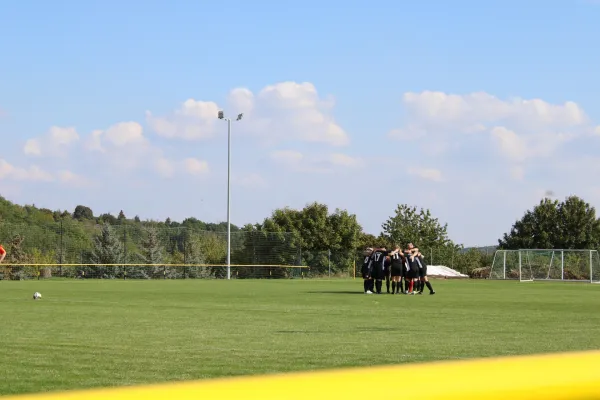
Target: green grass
x: 107, y: 333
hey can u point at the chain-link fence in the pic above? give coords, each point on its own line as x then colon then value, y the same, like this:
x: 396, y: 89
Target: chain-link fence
x: 73, y: 249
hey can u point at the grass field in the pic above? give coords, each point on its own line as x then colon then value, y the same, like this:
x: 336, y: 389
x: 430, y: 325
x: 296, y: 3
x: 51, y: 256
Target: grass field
x: 108, y: 333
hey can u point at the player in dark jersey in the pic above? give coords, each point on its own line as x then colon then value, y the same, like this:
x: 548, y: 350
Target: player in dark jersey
x: 408, y: 278
x: 367, y: 271
x: 413, y: 268
x: 378, y: 258
x: 387, y: 271
x: 397, y: 271
x: 423, y: 274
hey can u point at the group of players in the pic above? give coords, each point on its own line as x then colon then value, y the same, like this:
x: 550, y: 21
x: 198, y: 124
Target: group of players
x: 395, y: 267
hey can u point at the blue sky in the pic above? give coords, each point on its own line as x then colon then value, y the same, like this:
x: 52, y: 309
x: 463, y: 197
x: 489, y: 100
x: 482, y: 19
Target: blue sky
x: 472, y: 109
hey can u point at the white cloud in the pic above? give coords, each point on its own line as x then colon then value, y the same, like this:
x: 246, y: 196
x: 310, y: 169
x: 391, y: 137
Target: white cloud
x: 193, y: 120
x: 324, y: 163
x: 517, y: 173
x: 195, y: 167
x: 124, y: 134
x: 167, y: 168
x: 429, y: 174
x: 286, y: 111
x: 525, y: 132
x: 119, y: 135
x: 251, y: 180
x: 510, y: 143
x: 409, y: 133
x: 164, y: 167
x: 33, y: 173
x: 32, y: 147
x: 474, y: 112
x: 289, y: 157
x: 55, y: 142
x: 521, y: 148
x: 94, y: 142
x: 344, y: 160
x: 597, y: 130
x: 73, y: 179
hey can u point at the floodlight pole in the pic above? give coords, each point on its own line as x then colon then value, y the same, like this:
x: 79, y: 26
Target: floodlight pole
x: 228, y: 198
x: 221, y: 116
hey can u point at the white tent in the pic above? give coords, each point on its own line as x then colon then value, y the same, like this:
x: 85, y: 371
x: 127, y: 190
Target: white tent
x: 443, y: 272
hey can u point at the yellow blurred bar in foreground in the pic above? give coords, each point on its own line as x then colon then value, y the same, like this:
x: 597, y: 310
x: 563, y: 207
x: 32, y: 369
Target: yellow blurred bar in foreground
x: 541, y: 377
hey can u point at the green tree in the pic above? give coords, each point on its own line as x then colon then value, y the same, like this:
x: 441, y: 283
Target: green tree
x: 16, y: 255
x: 368, y: 240
x: 108, y: 249
x: 151, y: 254
x: 107, y: 218
x: 571, y: 224
x: 314, y: 233
x: 416, y: 226
x: 83, y: 212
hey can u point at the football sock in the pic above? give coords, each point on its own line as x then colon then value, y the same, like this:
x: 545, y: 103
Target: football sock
x: 393, y: 287
x: 410, y: 286
x: 429, y: 286
x: 387, y: 284
x: 371, y: 285
x: 379, y: 285
x: 366, y: 285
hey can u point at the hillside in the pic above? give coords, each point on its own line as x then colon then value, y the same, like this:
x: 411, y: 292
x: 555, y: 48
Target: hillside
x: 326, y: 242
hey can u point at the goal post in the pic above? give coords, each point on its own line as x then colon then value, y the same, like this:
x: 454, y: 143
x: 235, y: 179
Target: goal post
x: 528, y: 265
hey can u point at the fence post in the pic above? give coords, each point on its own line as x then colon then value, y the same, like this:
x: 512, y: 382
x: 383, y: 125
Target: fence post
x: 329, y: 261
x: 184, y: 257
x: 61, y: 248
x: 124, y: 250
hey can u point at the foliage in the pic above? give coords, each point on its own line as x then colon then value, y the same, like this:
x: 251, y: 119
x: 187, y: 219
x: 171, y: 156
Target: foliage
x: 410, y: 225
x: 83, y: 212
x: 571, y: 224
x: 315, y: 231
x: 108, y: 249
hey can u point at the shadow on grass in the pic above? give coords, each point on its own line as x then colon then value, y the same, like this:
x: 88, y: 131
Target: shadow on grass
x: 335, y: 292
x: 357, y: 330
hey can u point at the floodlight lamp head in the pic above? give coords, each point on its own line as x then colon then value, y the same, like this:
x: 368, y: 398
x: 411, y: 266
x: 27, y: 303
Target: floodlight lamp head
x: 221, y: 116
x: 239, y: 117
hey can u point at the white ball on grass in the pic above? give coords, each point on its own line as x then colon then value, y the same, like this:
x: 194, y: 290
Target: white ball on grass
x: 37, y: 295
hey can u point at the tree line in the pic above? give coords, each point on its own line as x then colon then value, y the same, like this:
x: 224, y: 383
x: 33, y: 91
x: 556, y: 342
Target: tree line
x: 328, y: 242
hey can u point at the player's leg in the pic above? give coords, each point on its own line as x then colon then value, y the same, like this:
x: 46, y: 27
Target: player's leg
x: 427, y: 283
x: 366, y: 275
x: 407, y: 277
x: 378, y: 276
x: 415, y: 275
x: 419, y: 282
x: 424, y: 279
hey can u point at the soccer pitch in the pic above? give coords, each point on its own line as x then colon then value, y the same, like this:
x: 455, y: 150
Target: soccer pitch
x: 94, y: 333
